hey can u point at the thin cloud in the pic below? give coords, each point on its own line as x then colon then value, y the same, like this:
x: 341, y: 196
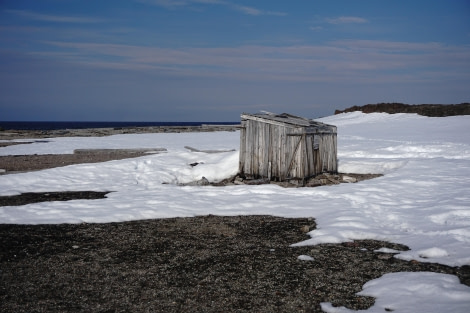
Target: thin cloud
x: 346, y: 20
x: 173, y: 4
x: 367, y: 61
x: 316, y: 28
x: 169, y: 4
x: 389, y: 46
x: 53, y: 18
x: 255, y: 12
x: 248, y: 10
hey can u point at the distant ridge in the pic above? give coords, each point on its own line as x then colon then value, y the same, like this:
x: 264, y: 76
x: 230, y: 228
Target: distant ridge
x: 434, y: 110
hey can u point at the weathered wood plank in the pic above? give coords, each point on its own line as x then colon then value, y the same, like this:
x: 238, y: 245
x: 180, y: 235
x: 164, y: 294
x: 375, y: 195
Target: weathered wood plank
x: 207, y: 151
x: 110, y: 151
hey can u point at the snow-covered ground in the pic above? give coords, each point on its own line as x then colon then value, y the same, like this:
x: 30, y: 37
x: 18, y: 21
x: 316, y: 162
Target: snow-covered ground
x: 422, y: 201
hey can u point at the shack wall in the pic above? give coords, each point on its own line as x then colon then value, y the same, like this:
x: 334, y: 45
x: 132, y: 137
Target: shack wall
x: 279, y: 151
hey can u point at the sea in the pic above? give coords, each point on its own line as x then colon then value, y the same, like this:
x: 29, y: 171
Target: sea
x: 81, y: 125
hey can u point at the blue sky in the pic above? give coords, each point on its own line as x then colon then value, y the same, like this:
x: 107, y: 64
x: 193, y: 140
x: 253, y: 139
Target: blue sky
x: 210, y: 60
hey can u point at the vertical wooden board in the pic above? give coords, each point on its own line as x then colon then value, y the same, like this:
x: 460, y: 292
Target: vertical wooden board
x: 304, y: 157
x: 309, y: 156
x: 255, y: 152
x: 245, y: 147
x: 335, y: 151
x: 264, y: 156
x: 324, y: 153
x: 287, y: 155
x: 296, y: 167
x: 330, y: 153
x: 272, y: 151
x: 257, y: 148
x: 258, y: 144
x: 276, y: 132
x: 293, y: 157
x: 282, y: 151
x: 249, y: 142
x: 249, y: 150
x: 267, y: 148
x: 277, y: 147
x: 300, y: 158
x: 301, y: 151
x: 242, y: 152
x: 283, y: 143
x: 321, y: 148
x: 318, y: 157
x: 261, y: 148
x: 289, y: 148
x: 296, y: 146
x: 247, y: 132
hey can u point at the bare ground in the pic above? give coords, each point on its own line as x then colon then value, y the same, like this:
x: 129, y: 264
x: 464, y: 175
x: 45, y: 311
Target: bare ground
x: 25, y: 163
x: 200, y: 264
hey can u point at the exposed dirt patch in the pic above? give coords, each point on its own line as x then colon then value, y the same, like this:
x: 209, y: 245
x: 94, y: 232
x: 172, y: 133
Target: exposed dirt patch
x: 12, y: 143
x: 23, y: 163
x: 201, y: 264
x: 33, y: 197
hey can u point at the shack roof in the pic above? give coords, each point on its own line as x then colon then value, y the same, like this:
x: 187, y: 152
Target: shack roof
x: 286, y: 119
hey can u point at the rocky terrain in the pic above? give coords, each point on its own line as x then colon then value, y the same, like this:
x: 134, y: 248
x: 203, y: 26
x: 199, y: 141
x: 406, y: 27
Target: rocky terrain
x: 98, y: 132
x: 200, y: 264
x: 433, y: 110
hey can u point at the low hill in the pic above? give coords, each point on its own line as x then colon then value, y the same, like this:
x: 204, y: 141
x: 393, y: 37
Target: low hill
x: 421, y: 109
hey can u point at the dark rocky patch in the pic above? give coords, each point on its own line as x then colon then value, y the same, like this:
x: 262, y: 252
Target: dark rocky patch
x: 33, y: 197
x: 323, y: 179
x: 99, y: 132
x: 201, y: 264
x: 434, y: 110
x: 34, y: 162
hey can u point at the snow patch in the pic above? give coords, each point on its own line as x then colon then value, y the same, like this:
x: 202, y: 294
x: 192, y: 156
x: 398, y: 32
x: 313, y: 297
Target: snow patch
x: 305, y: 258
x: 433, y: 253
x: 387, y: 250
x: 413, y: 292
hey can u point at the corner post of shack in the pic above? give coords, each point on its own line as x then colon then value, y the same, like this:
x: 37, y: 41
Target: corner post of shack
x: 284, y: 147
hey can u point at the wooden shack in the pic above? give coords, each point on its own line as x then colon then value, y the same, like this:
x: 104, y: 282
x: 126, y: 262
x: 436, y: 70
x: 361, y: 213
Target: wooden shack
x: 281, y: 147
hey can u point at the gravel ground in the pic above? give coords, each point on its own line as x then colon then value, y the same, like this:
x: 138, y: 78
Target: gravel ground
x: 23, y: 163
x: 200, y: 264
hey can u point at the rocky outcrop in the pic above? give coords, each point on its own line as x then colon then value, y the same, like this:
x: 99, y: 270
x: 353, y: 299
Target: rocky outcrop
x: 434, y: 110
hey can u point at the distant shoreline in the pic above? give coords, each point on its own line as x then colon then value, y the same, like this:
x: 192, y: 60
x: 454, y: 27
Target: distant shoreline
x: 100, y: 132
x: 61, y: 125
